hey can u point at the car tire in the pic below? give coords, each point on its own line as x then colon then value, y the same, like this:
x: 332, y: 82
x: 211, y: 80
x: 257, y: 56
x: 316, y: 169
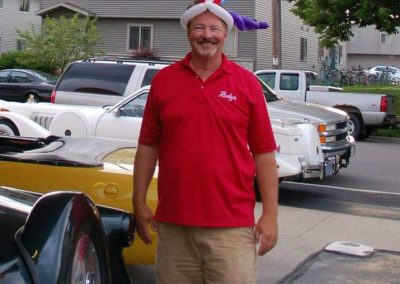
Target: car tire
x: 355, y: 126
x: 8, y: 128
x: 31, y: 98
x: 367, y: 133
x: 89, y: 230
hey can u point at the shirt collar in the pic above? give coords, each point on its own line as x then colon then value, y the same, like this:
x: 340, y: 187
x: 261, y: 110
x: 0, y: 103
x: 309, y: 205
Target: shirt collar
x: 226, y: 64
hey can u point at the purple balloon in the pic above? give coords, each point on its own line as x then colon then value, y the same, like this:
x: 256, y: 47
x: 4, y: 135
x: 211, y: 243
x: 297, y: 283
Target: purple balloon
x: 244, y: 23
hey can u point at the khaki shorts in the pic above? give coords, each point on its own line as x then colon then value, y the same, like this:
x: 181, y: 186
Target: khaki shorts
x: 205, y: 255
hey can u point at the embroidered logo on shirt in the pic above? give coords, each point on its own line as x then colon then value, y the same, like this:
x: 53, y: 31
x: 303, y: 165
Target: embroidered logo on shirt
x: 229, y: 97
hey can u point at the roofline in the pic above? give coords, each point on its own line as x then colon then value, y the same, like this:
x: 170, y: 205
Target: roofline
x: 65, y: 5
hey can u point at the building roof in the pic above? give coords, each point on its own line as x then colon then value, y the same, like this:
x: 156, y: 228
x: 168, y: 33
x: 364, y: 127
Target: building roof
x: 63, y: 6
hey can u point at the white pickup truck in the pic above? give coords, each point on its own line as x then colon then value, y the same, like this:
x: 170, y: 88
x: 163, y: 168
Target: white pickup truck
x: 366, y: 111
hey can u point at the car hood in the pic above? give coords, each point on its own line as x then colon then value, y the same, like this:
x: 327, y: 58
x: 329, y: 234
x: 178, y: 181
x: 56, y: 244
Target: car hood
x: 285, y: 109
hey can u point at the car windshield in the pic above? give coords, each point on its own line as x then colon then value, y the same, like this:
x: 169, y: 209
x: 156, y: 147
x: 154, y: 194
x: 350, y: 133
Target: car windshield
x: 45, y: 77
x: 269, y: 95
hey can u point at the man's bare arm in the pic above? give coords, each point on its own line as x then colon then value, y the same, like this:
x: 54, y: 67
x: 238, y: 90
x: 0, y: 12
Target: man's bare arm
x: 145, y: 163
x: 266, y: 230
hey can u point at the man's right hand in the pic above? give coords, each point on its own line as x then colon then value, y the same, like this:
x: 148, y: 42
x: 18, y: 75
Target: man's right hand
x: 144, y: 218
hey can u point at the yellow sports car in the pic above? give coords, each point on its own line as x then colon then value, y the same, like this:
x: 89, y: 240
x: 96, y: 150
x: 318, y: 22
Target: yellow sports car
x: 102, y: 168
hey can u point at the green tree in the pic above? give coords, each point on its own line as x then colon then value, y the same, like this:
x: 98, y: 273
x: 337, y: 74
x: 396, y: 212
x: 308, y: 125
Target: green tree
x: 60, y: 41
x: 333, y: 19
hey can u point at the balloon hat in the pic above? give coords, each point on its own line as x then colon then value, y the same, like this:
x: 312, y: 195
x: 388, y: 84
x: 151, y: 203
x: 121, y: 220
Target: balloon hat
x: 243, y: 23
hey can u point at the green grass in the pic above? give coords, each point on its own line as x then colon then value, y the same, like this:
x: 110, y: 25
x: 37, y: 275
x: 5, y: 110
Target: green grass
x: 381, y: 89
x: 378, y: 89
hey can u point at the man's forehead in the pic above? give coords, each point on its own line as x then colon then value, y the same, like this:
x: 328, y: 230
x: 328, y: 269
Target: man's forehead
x: 209, y: 19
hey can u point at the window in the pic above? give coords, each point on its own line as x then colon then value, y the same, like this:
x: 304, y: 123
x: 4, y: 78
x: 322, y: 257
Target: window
x: 4, y: 76
x: 99, y: 78
x: 289, y: 82
x: 386, y: 38
x: 21, y: 44
x: 134, y: 108
x: 1, y: 4
x: 140, y: 37
x: 24, y: 5
x: 268, y: 78
x: 20, y: 77
x: 148, y: 76
x: 321, y: 53
x: 303, y: 49
x: 230, y: 46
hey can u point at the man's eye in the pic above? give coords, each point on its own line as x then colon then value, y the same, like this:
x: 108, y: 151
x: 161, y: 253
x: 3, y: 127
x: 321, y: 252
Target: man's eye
x: 199, y: 29
x: 215, y: 30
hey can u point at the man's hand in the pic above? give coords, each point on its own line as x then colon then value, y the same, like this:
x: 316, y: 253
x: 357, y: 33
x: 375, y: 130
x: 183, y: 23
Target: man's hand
x: 266, y: 233
x: 144, y: 219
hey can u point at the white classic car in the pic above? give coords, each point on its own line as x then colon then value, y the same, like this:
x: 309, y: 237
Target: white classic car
x: 299, y: 152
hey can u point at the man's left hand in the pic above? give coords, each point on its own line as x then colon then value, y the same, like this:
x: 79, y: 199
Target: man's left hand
x: 266, y: 233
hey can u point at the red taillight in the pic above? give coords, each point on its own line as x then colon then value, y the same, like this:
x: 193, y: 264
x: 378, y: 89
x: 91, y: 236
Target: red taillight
x: 384, y: 104
x: 53, y: 96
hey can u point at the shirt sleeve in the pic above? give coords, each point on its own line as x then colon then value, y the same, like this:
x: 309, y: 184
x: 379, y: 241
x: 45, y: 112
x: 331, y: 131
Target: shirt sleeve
x: 150, y: 132
x: 260, y: 135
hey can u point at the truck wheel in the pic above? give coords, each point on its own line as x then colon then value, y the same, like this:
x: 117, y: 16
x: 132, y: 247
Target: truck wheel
x: 355, y: 126
x: 366, y: 134
x: 8, y: 128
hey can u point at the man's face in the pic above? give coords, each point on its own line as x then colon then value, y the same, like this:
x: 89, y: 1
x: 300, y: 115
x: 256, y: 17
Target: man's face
x: 206, y: 34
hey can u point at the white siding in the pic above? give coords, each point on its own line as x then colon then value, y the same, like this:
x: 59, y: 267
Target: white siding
x: 264, y: 37
x: 366, y: 49
x: 11, y: 19
x: 292, y: 30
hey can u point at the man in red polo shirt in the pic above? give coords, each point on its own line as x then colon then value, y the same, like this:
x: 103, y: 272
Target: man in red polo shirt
x: 206, y: 122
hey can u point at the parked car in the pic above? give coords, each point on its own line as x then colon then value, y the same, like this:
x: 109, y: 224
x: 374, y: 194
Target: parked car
x: 61, y: 237
x: 376, y: 71
x: 102, y: 81
x: 102, y: 168
x: 366, y: 111
x: 299, y: 154
x: 22, y: 85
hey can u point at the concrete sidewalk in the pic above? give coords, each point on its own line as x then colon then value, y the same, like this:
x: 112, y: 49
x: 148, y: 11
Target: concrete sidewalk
x: 303, y: 232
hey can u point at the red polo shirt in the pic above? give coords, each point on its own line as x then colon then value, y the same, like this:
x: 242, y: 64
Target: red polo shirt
x: 206, y: 132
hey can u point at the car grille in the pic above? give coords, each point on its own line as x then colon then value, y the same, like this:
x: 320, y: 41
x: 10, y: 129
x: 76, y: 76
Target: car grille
x: 43, y: 120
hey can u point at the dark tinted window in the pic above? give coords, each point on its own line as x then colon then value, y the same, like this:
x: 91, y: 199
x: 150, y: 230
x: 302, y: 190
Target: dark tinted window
x: 148, y: 77
x: 20, y: 77
x: 289, y: 82
x: 4, y: 76
x: 99, y: 78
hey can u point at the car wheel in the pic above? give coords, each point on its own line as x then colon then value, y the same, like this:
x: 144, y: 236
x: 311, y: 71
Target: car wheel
x: 8, y: 128
x: 396, y: 81
x: 31, y: 98
x: 354, y: 126
x: 86, y: 263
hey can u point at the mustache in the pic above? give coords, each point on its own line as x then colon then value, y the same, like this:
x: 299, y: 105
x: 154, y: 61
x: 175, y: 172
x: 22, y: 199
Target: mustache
x: 206, y: 40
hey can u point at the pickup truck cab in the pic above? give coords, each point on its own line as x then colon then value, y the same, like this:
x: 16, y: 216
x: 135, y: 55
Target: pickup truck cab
x: 366, y: 111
